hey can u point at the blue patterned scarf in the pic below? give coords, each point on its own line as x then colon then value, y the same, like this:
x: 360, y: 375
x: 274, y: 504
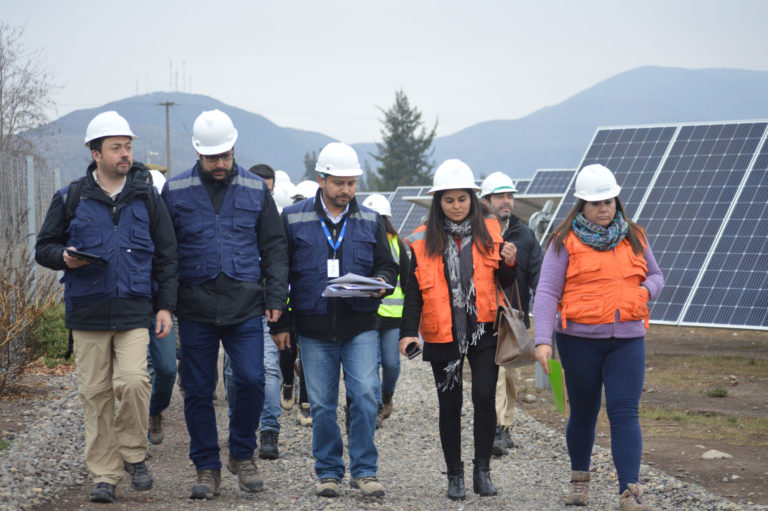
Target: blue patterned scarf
x: 598, y: 237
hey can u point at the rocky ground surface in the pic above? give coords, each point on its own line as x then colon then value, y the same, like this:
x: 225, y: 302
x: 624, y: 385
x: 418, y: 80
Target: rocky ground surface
x: 43, y: 466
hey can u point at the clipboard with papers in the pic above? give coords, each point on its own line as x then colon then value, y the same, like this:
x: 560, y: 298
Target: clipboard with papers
x: 352, y: 285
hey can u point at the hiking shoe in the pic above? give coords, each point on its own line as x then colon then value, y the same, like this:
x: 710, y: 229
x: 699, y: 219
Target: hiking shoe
x: 304, y: 417
x: 207, y: 485
x: 103, y: 492
x: 327, y: 487
x: 368, y: 486
x: 268, y: 448
x: 286, y: 397
x: 141, y: 479
x: 631, y: 499
x: 386, y: 400
x: 507, y: 438
x: 579, y: 495
x: 156, y: 429
x: 245, y: 470
x: 499, y: 442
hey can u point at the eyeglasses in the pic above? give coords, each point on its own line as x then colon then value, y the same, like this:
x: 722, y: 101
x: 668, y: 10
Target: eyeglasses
x: 213, y: 158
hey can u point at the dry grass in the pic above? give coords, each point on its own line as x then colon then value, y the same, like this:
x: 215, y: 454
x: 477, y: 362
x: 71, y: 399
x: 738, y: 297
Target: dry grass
x: 703, y: 426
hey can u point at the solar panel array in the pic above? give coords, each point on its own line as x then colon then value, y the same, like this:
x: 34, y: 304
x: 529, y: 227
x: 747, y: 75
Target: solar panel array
x: 698, y: 190
x: 416, y: 216
x: 549, y: 182
x: 522, y: 185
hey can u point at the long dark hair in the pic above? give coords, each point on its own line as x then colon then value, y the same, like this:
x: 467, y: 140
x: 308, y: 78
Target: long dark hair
x: 634, y: 231
x: 435, y: 235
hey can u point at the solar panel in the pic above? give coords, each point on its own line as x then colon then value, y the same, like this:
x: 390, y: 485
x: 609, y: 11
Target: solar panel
x: 689, y: 201
x: 550, y: 182
x: 401, y: 208
x: 416, y: 216
x: 733, y: 289
x: 522, y: 185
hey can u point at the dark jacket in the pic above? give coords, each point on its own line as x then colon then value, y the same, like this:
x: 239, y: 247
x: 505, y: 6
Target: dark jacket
x: 529, y: 256
x: 223, y: 299
x: 342, y: 320
x: 115, y: 312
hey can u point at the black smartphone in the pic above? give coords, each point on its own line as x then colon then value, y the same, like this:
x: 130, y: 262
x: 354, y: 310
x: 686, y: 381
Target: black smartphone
x: 413, y: 350
x: 91, y: 258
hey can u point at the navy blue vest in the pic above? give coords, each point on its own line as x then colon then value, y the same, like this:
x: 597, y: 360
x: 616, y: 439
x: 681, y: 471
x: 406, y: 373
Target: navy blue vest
x: 308, y: 274
x: 208, y: 243
x: 128, y: 247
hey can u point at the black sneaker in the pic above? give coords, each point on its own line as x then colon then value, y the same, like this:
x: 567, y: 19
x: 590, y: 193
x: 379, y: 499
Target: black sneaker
x: 141, y: 479
x: 103, y: 492
x: 268, y: 449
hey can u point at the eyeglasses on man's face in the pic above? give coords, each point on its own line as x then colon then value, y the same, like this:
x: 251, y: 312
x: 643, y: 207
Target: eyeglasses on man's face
x: 225, y: 157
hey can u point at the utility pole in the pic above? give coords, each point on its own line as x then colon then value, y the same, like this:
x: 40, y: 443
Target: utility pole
x: 167, y: 105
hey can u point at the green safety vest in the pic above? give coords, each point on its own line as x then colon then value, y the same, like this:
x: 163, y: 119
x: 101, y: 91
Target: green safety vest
x: 392, y: 305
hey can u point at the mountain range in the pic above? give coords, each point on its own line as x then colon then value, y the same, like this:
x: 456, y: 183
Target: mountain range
x: 552, y: 137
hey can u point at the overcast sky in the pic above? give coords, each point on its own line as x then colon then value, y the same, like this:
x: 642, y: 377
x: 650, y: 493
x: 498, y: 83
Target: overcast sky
x: 326, y: 66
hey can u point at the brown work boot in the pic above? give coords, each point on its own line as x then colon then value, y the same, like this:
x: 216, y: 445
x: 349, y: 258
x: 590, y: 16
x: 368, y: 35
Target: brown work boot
x: 386, y: 400
x: 156, y: 429
x: 207, y: 484
x: 245, y: 470
x: 631, y: 500
x: 368, y: 486
x: 579, y: 495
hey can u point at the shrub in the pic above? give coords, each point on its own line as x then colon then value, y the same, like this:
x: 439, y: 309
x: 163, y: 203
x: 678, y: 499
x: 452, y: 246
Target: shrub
x: 717, y: 392
x: 48, y: 337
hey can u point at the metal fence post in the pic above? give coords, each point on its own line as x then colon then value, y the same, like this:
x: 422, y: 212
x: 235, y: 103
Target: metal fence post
x: 31, y: 213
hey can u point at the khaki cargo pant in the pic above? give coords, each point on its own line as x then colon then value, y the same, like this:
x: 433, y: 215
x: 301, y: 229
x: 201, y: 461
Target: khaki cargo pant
x: 113, y: 365
x: 506, y: 395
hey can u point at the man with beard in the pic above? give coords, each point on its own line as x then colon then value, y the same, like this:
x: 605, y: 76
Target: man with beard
x: 497, y: 191
x: 233, y: 269
x: 330, y: 235
x: 114, y: 217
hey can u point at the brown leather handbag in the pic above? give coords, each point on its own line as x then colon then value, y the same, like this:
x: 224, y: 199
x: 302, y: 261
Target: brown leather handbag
x: 514, y: 347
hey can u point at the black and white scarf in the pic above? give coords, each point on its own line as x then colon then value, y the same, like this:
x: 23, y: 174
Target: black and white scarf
x: 460, y: 269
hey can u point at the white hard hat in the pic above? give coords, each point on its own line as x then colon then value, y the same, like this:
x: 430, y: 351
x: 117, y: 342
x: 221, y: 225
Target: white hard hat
x: 283, y: 194
x: 338, y: 159
x: 596, y: 182
x: 282, y: 176
x: 452, y: 175
x: 498, y: 182
x: 107, y: 124
x: 378, y: 203
x: 306, y: 189
x: 158, y: 179
x: 213, y: 133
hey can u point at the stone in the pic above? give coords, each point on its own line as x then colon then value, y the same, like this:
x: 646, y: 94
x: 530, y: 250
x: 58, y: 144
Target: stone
x: 714, y: 454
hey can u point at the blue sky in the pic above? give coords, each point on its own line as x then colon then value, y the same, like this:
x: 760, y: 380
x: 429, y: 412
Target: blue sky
x: 327, y: 66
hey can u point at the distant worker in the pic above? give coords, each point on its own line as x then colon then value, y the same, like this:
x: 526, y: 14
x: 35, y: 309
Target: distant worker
x: 113, y: 238
x: 596, y: 279
x: 498, y: 193
x: 329, y: 235
x: 451, y: 300
x: 233, y: 269
x: 390, y: 311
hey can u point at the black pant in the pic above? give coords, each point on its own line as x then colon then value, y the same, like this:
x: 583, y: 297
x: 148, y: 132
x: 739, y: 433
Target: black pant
x: 484, y: 375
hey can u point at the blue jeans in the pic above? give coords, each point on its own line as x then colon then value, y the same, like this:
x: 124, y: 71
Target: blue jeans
x: 389, y: 360
x: 161, y: 366
x: 322, y: 361
x: 200, y: 349
x: 619, y: 366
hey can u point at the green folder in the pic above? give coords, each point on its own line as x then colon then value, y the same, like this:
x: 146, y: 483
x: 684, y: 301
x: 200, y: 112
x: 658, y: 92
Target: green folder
x: 557, y: 383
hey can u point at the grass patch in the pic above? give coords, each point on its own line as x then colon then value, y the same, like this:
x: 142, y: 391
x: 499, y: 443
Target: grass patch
x: 687, y: 372
x: 4, y: 444
x: 50, y: 337
x: 717, y: 392
x: 705, y: 426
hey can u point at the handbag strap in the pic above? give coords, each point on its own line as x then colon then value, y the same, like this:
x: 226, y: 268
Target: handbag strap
x: 506, y: 298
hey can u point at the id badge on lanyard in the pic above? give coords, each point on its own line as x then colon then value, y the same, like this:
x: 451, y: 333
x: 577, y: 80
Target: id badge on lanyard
x: 333, y: 263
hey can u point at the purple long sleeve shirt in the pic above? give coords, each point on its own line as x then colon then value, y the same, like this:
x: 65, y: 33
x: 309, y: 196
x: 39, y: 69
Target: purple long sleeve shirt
x: 550, y: 291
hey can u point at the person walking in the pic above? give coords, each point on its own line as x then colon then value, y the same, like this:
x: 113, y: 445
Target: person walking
x: 596, y: 279
x: 330, y: 235
x: 498, y: 193
x: 232, y: 270
x: 451, y: 299
x: 390, y: 311
x: 113, y: 215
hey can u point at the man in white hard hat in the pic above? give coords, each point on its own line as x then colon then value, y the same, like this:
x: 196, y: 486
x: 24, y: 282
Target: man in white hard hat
x: 330, y: 235
x: 498, y: 193
x: 113, y: 238
x: 232, y: 270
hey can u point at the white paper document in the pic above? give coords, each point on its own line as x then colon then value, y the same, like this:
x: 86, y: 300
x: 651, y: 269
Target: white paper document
x: 351, y: 285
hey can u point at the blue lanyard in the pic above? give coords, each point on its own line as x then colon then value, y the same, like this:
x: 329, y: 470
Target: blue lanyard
x: 328, y: 235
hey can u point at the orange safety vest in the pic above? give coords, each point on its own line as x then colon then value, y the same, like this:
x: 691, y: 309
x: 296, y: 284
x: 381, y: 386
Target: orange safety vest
x: 598, y: 283
x: 436, y: 320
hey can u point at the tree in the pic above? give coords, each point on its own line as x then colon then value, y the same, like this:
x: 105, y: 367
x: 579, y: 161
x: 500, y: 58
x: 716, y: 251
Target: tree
x: 403, y: 155
x: 25, y: 90
x: 309, y: 166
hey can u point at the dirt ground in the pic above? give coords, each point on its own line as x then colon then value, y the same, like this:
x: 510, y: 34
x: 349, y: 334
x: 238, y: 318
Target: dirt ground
x: 681, y: 421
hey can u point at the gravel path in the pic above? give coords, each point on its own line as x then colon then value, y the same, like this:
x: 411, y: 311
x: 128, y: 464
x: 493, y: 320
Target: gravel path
x: 43, y: 468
